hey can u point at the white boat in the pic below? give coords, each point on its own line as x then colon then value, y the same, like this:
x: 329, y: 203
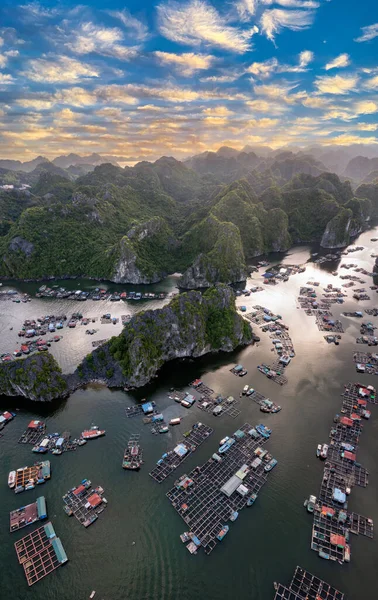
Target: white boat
x: 324, y: 451
x: 93, y: 593
x: 318, y: 450
x: 245, y: 389
x: 12, y: 479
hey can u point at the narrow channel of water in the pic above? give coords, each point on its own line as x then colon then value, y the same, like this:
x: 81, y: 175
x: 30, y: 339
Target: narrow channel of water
x: 269, y: 539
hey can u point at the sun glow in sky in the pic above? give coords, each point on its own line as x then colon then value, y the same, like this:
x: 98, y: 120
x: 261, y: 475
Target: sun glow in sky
x: 148, y: 78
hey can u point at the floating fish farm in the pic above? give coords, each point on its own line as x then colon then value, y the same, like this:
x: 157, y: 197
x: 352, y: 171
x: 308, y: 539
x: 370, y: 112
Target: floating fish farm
x: 34, y: 433
x: 40, y: 553
x: 172, y: 459
x: 215, y: 493
x: 85, y: 503
x: 305, y: 586
x: 27, y: 515
x: 333, y: 524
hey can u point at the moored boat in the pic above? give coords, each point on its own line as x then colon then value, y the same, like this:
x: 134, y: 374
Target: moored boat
x: 133, y: 455
x: 92, y: 433
x: 251, y: 500
x: 318, y: 450
x: 324, y: 451
x: 223, y: 532
x: 12, y: 479
x: 271, y: 464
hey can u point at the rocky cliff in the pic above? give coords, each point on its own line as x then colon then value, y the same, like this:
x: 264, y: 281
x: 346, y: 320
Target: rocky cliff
x: 191, y: 325
x: 338, y: 230
x: 224, y: 261
x: 36, y: 377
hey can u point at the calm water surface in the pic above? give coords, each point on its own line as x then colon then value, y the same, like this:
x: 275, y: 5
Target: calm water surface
x: 269, y: 539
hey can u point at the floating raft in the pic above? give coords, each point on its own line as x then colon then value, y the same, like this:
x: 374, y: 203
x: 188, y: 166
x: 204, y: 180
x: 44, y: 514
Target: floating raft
x: 85, y: 503
x: 274, y: 372
x: 34, y: 433
x: 172, y: 459
x: 332, y: 524
x: 28, y: 477
x: 230, y: 480
x: 305, y: 586
x: 26, y: 515
x: 133, y: 454
x: 40, y: 553
x: 209, y: 401
x: 147, y: 408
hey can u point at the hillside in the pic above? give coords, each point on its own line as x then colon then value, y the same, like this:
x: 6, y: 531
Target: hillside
x: 137, y: 224
x: 191, y: 325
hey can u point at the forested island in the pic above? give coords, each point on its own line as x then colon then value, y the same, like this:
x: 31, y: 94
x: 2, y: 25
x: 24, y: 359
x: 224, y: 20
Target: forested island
x: 191, y: 325
x: 205, y: 217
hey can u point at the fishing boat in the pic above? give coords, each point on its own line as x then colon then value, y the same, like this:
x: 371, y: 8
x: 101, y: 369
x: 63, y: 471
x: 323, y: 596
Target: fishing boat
x: 92, y: 594
x: 271, y: 464
x: 92, y: 433
x: 234, y: 515
x: 310, y: 504
x: 251, y: 500
x: 324, y: 451
x: 245, y: 389
x: 12, y: 479
x: 318, y: 450
x: 133, y: 456
x: 82, y: 442
x: 175, y: 421
x: 184, y: 537
x: 263, y: 430
x: 223, y: 532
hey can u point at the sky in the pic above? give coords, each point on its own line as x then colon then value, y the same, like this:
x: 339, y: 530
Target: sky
x: 148, y: 78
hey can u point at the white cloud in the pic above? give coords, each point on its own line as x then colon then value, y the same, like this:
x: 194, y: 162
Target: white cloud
x: 263, y: 69
x: 35, y: 11
x: 232, y: 76
x: 337, y: 84
x: 11, y: 53
x: 305, y: 58
x: 340, y: 61
x: 131, y: 23
x: 60, y: 69
x: 367, y: 126
x: 372, y: 83
x: 274, y: 90
x: 197, y: 22
x: 3, y: 61
x: 6, y: 79
x: 107, y: 41
x: 368, y: 33
x: 36, y: 103
x: 292, y: 3
x: 246, y: 8
x: 272, y: 21
x: 187, y: 63
x: 365, y: 107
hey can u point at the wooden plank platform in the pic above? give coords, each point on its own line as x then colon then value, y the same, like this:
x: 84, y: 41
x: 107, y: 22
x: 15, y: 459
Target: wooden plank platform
x: 171, y: 460
x: 305, y: 586
x: 198, y: 498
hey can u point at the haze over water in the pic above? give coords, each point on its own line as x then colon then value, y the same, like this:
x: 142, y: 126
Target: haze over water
x: 269, y: 539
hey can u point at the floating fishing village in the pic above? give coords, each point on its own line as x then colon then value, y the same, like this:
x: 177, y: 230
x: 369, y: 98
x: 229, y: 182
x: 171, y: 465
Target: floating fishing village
x: 210, y: 494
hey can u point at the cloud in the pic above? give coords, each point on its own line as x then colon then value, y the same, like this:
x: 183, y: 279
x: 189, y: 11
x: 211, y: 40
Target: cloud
x: 6, y: 79
x: 368, y: 33
x: 365, y: 107
x: 58, y: 70
x: 263, y: 69
x: 36, y: 103
x: 106, y: 41
x: 372, y: 83
x: 315, y: 101
x: 232, y: 76
x: 3, y: 61
x: 343, y: 60
x: 197, y: 22
x: 246, y: 9
x: 274, y: 90
x: 218, y: 111
x: 272, y: 21
x: 348, y: 139
x: 367, y: 127
x: 337, y: 84
x: 75, y: 96
x: 34, y: 11
x: 292, y: 3
x: 305, y: 58
x: 131, y: 23
x: 186, y: 64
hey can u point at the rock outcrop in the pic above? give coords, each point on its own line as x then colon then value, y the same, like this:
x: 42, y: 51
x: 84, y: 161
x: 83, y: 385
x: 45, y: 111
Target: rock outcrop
x: 224, y: 261
x: 36, y: 377
x: 191, y: 325
x: 338, y: 230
